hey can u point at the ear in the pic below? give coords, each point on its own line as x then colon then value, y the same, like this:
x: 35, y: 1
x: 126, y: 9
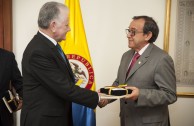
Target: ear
x: 53, y: 26
x: 148, y: 36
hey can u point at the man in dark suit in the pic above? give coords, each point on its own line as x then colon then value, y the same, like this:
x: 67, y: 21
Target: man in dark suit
x: 9, y: 74
x: 49, y: 85
x: 151, y: 78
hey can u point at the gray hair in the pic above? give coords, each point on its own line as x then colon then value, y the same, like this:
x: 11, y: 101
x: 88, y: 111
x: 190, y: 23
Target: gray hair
x: 48, y: 12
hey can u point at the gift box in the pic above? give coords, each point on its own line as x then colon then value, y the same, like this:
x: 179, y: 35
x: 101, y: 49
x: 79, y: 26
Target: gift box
x: 10, y: 101
x: 115, y: 90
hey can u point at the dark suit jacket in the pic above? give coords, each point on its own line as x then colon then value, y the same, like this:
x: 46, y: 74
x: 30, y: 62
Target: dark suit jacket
x: 49, y: 86
x: 153, y: 73
x: 9, y: 73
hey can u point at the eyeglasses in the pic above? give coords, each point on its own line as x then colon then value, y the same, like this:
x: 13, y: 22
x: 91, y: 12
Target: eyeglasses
x: 132, y: 32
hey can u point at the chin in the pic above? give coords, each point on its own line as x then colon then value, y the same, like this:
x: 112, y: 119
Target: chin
x: 129, y: 46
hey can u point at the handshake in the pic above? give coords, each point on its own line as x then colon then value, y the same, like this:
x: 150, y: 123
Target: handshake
x: 109, y: 94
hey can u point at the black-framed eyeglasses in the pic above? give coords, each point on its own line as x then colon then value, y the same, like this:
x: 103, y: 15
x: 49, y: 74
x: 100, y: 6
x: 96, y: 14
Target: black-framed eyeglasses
x: 132, y: 32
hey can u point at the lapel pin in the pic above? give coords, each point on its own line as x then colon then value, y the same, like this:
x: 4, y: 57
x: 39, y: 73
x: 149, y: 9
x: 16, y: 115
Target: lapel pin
x: 139, y: 62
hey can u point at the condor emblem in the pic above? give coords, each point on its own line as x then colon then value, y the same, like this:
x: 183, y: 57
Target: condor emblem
x: 82, y: 69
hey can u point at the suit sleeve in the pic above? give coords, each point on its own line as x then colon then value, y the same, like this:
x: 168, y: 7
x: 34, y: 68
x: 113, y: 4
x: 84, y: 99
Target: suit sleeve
x: 16, y: 77
x: 120, y: 73
x: 45, y: 68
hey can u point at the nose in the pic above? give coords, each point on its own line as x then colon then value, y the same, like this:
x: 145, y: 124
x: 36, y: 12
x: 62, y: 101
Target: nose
x: 129, y: 35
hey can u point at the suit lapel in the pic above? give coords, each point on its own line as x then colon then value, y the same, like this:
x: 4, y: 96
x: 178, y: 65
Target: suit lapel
x: 137, y: 65
x: 128, y: 60
x: 56, y: 53
x: 65, y: 63
x: 141, y: 61
x: 125, y: 64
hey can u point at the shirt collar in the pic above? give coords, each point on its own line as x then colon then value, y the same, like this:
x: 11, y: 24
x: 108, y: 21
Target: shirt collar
x: 48, y: 37
x: 143, y: 49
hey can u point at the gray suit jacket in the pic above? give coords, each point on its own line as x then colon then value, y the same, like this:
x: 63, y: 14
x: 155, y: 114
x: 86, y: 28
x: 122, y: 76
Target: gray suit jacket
x: 153, y: 73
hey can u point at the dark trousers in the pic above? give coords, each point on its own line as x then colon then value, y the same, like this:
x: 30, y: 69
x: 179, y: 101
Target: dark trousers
x: 6, y: 118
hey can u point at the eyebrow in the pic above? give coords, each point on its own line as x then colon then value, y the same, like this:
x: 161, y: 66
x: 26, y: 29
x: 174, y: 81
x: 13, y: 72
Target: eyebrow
x: 132, y: 29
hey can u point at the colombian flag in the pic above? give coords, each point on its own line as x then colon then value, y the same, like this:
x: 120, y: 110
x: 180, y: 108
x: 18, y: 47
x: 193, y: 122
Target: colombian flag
x: 76, y: 48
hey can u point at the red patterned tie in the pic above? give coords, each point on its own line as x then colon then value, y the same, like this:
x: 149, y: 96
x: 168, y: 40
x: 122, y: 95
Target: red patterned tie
x: 135, y: 58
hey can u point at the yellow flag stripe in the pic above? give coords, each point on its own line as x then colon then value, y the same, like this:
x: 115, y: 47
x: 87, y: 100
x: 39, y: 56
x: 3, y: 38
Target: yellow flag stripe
x: 76, y: 42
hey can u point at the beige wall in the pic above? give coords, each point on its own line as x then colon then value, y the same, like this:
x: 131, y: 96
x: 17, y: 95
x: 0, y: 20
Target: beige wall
x: 105, y: 21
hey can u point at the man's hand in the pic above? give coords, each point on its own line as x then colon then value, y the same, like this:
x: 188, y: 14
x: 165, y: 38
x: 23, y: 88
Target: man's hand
x: 103, y: 103
x: 134, y: 95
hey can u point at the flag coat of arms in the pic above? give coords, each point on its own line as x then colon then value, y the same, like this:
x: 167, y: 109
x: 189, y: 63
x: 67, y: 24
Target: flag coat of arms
x: 76, y: 49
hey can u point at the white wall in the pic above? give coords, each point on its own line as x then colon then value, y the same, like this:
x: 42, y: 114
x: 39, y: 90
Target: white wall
x: 105, y: 21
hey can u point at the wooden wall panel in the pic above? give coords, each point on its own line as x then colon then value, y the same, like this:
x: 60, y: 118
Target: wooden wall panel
x: 6, y: 24
x: 1, y: 23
